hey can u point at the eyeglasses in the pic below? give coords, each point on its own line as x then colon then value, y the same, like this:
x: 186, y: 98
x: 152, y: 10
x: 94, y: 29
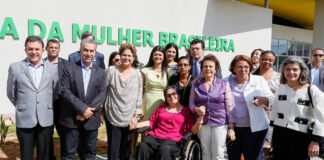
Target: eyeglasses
x: 171, y: 94
x: 185, y: 65
x: 318, y: 55
x: 116, y: 60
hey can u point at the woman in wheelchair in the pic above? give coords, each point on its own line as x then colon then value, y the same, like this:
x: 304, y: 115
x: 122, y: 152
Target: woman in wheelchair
x: 167, y: 125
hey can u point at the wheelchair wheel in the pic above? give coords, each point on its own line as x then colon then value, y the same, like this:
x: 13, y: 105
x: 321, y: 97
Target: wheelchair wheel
x: 192, y: 152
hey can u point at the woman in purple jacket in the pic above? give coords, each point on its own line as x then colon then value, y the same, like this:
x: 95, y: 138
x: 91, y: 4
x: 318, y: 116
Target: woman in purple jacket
x: 215, y: 96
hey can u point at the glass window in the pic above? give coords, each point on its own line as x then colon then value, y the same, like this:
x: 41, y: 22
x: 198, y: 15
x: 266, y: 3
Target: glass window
x: 291, y: 48
x: 275, y: 46
x: 283, y: 47
x: 299, y: 48
x: 307, y: 49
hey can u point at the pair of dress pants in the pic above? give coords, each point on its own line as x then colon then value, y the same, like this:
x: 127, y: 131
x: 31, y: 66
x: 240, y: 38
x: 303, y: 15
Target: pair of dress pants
x: 81, y: 140
x: 163, y: 149
x: 289, y: 144
x: 119, y: 139
x: 247, y: 142
x: 213, y: 142
x: 28, y: 137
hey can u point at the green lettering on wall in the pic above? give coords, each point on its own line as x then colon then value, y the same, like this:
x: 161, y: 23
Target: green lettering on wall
x: 163, y: 38
x: 76, y: 31
x: 147, y: 38
x: 31, y: 27
x: 173, y: 38
x: 109, y: 35
x: 121, y: 37
x: 55, y: 31
x: 204, y: 40
x: 102, y: 34
x: 9, y: 28
x: 231, y: 46
x: 211, y: 43
x: 136, y: 35
x: 218, y: 44
x: 224, y: 45
x: 190, y: 38
x: 183, y: 41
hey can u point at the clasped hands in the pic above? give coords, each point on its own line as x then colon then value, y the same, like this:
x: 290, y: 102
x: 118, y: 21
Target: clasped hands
x: 86, y: 115
x: 201, y: 111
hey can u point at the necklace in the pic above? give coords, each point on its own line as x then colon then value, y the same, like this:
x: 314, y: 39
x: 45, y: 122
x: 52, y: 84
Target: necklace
x: 168, y: 110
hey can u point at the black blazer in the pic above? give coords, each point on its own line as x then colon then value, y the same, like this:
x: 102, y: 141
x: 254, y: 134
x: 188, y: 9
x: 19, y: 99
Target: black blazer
x: 58, y: 100
x: 75, y: 103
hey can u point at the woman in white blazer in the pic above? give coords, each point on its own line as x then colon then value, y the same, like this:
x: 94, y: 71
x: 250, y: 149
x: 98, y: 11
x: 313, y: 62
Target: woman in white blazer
x: 293, y: 111
x: 251, y: 94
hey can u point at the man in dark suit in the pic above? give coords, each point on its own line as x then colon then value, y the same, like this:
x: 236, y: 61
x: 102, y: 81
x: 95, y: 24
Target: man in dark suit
x: 84, y: 91
x: 99, y: 57
x: 316, y: 69
x: 30, y: 87
x: 53, y: 51
x: 197, y: 49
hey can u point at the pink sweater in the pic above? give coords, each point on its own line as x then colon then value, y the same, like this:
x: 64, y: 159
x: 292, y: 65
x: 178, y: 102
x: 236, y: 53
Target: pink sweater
x: 172, y: 126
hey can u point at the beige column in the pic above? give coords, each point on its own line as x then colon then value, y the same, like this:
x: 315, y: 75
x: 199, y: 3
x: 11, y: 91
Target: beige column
x: 318, y: 34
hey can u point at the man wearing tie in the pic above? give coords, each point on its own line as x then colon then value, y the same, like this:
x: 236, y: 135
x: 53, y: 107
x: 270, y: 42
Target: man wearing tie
x: 84, y: 91
x: 197, y: 48
x: 30, y: 88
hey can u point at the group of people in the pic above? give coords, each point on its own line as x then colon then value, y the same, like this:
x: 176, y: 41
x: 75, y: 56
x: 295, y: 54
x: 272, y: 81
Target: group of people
x: 172, y: 96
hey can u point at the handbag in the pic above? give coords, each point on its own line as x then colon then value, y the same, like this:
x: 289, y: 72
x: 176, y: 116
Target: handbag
x: 311, y: 127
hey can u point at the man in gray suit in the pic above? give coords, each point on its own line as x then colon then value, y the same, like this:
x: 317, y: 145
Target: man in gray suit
x: 30, y: 88
x: 316, y: 69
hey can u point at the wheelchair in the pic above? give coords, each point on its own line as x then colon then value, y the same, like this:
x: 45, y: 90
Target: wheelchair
x: 190, y: 148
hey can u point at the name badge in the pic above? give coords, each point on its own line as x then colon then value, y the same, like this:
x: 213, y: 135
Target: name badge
x: 282, y: 97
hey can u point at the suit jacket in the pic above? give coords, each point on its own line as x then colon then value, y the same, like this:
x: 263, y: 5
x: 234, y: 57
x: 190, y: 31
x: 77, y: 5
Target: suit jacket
x: 33, y: 105
x: 321, y: 76
x: 98, y: 60
x: 75, y: 101
x: 58, y: 100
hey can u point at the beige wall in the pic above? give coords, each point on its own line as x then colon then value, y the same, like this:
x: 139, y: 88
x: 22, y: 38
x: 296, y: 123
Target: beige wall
x: 249, y: 26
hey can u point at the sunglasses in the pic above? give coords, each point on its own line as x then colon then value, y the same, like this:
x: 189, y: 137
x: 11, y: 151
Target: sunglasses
x: 180, y: 65
x: 171, y: 94
x: 318, y: 55
x: 116, y: 60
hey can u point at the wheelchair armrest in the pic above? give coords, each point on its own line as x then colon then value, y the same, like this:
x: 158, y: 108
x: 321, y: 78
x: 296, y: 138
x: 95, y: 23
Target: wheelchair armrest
x: 186, y: 137
x: 143, y: 130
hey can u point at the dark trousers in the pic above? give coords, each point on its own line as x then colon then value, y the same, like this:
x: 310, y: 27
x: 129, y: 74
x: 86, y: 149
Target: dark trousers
x: 81, y: 140
x: 118, y: 142
x: 163, y: 149
x: 28, y: 137
x: 248, y: 143
x: 289, y: 144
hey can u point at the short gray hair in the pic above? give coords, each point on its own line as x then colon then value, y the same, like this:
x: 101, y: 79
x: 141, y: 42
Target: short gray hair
x: 304, y: 72
x: 89, y: 41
